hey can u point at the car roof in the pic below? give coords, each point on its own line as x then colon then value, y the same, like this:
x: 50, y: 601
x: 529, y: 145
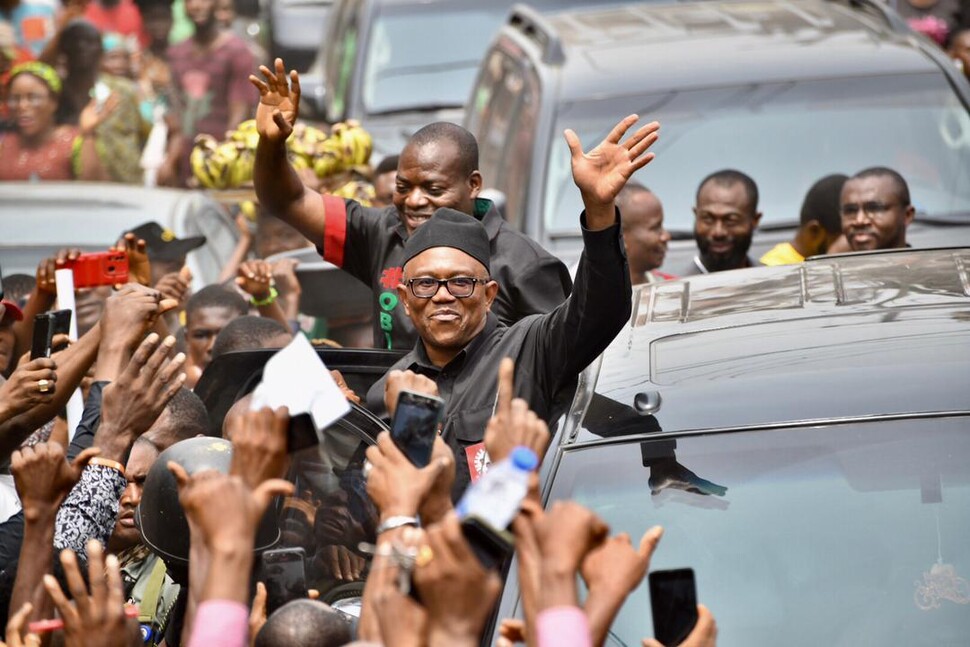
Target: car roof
x: 654, y: 47
x: 101, y: 209
x: 834, y: 338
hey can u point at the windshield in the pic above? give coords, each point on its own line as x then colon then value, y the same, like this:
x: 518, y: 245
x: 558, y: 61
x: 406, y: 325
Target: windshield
x: 424, y: 56
x: 785, y: 136
x: 840, y: 535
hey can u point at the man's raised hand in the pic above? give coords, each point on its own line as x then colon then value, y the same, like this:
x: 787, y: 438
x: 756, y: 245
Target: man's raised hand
x: 604, y: 170
x: 44, y: 477
x: 513, y: 424
x: 279, y: 102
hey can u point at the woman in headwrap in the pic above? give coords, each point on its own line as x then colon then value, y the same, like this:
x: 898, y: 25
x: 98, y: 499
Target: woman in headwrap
x: 38, y: 148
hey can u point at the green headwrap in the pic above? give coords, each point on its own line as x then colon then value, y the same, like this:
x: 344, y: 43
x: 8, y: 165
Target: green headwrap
x: 42, y: 71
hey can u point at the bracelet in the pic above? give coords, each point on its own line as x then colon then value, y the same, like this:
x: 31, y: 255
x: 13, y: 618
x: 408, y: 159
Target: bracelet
x: 107, y: 462
x: 268, y: 300
x: 392, y: 523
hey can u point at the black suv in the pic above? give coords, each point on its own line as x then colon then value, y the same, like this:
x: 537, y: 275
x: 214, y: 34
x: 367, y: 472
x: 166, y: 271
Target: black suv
x: 803, y: 435
x: 787, y: 91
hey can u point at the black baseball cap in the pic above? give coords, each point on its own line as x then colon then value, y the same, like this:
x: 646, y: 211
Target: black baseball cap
x: 162, y: 243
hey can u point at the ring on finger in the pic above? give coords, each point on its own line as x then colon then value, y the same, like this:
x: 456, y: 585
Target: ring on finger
x: 44, y: 386
x: 366, y: 470
x: 424, y: 556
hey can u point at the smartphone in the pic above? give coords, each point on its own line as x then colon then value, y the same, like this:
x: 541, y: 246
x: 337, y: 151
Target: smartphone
x: 99, y: 268
x: 62, y: 322
x: 673, y: 601
x: 43, y: 339
x: 283, y: 571
x: 490, y: 545
x: 415, y: 425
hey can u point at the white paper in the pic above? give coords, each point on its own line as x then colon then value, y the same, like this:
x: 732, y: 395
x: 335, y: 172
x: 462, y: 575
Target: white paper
x: 64, y: 280
x: 296, y: 377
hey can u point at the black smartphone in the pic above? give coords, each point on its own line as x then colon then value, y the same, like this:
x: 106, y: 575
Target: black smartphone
x: 283, y: 571
x: 415, y: 425
x: 490, y: 545
x: 40, y: 345
x: 62, y: 322
x: 673, y: 601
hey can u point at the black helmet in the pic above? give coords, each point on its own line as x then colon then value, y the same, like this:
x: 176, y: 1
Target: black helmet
x: 159, y: 515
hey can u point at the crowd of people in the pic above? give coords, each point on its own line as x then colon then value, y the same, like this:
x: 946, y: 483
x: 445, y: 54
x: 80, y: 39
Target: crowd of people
x: 147, y: 521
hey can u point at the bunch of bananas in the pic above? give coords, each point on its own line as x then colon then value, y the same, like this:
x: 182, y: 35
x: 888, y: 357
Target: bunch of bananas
x: 229, y: 164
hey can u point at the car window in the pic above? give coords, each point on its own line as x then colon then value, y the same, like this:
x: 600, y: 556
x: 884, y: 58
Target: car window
x: 341, y: 59
x: 506, y: 101
x: 832, y: 535
x: 425, y: 56
x: 785, y: 136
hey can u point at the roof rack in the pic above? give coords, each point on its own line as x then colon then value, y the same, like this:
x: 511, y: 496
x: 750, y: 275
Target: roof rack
x: 534, y: 26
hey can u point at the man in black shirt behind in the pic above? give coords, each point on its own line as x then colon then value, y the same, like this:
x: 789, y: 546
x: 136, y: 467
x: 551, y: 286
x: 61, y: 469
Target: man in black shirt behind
x: 448, y: 293
x: 437, y: 168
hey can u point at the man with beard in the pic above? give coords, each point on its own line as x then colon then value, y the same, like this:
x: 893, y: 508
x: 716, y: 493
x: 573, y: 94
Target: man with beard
x: 726, y: 216
x: 876, y: 210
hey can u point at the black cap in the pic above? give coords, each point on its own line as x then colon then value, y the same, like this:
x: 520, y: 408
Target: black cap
x: 450, y: 228
x: 162, y: 243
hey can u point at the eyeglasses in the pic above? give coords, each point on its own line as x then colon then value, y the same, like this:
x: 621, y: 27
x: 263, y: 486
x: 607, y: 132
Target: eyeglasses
x: 851, y: 211
x: 460, y: 287
x: 32, y: 100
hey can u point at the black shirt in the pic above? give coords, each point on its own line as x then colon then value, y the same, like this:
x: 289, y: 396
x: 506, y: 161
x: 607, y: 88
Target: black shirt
x: 369, y: 244
x: 549, y: 350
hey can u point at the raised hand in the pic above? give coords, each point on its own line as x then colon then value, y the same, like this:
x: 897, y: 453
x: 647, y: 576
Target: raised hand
x: 604, y: 170
x: 259, y: 445
x: 44, y: 478
x: 175, y: 286
x: 396, y: 486
x: 33, y: 383
x: 46, y: 283
x: 97, y: 617
x: 704, y: 633
x: 139, y: 267
x: 612, y: 571
x: 403, y: 622
x: 279, y: 102
x: 15, y: 629
x: 255, y: 278
x: 513, y: 424
x: 129, y: 312
x: 91, y: 116
x: 453, y: 586
x: 132, y: 403
x: 223, y: 508
x: 399, y: 380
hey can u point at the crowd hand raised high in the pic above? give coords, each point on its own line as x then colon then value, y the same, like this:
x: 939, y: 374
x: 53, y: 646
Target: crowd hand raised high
x: 566, y: 534
x: 601, y: 173
x: 130, y: 312
x: 453, y: 586
x: 46, y: 282
x: 32, y: 384
x: 175, y: 285
x: 255, y: 278
x: 44, y: 478
x: 15, y: 629
x: 279, y: 102
x: 704, y: 633
x: 131, y: 404
x: 97, y: 616
x: 398, y: 381
x: 259, y: 445
x: 513, y: 424
x: 91, y: 116
x: 612, y: 571
x: 529, y: 559
x: 139, y: 267
x: 403, y: 621
x: 396, y: 486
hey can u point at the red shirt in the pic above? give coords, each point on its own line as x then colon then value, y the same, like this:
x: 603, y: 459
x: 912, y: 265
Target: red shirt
x: 124, y: 18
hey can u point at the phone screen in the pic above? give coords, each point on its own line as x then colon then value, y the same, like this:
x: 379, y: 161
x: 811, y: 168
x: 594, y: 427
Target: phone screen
x: 62, y: 322
x: 415, y: 425
x: 284, y: 574
x: 40, y: 345
x: 673, y: 601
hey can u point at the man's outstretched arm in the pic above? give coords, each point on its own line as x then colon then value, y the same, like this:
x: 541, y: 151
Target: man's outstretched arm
x: 278, y: 187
